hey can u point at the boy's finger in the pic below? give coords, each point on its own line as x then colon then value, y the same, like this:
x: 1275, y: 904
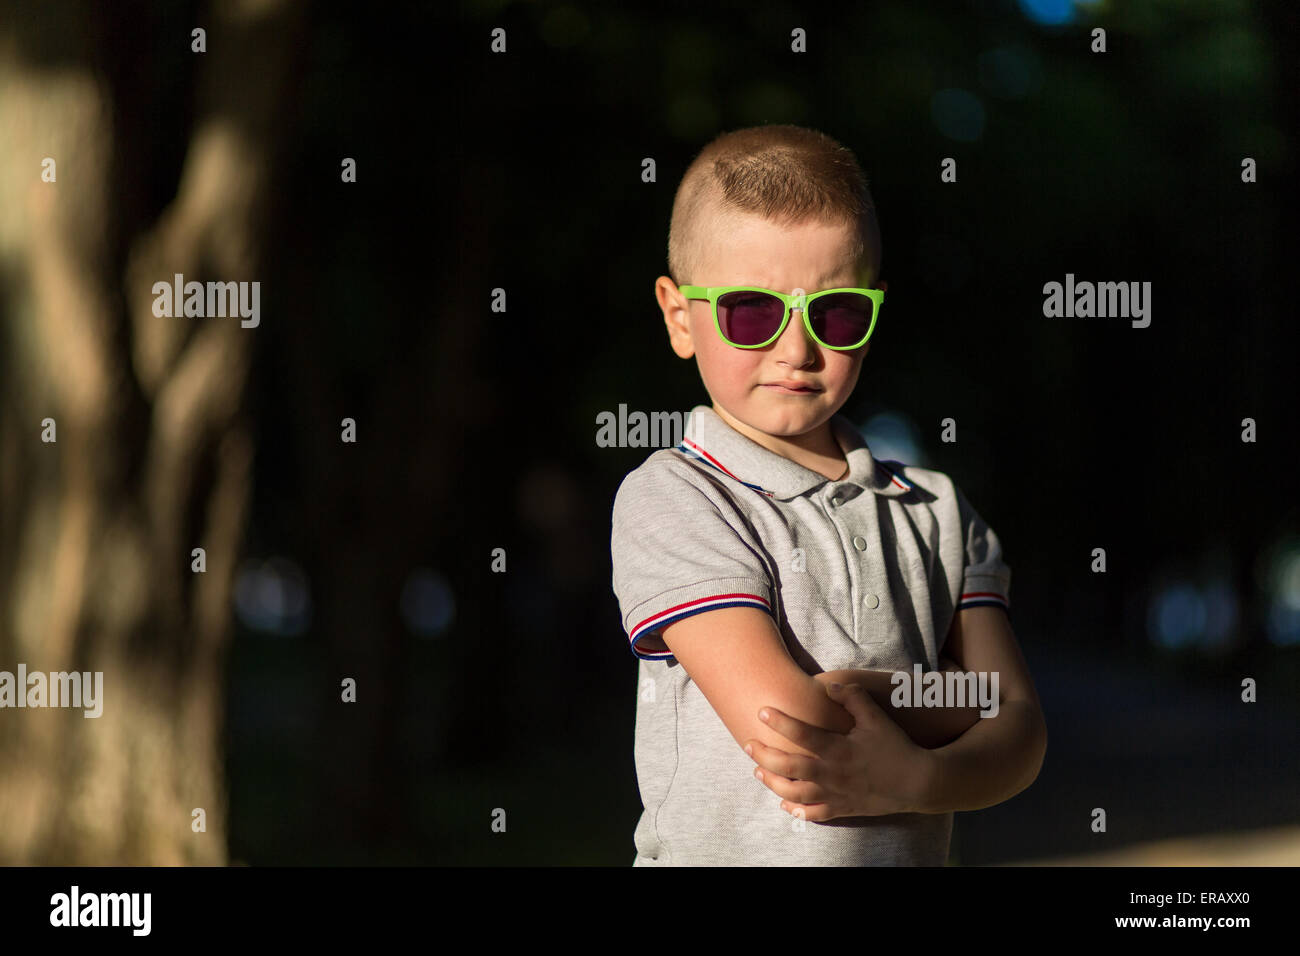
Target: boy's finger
x: 813, y: 813
x: 794, y: 766
x: 810, y: 738
x: 799, y: 791
x: 860, y: 705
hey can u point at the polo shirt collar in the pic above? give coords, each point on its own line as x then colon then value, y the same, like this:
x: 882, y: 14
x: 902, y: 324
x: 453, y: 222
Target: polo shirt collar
x: 709, y: 439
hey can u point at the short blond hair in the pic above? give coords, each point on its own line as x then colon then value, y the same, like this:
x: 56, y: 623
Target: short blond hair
x: 787, y: 174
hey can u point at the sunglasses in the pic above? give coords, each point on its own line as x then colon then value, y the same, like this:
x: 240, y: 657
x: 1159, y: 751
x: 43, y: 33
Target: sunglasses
x: 749, y: 318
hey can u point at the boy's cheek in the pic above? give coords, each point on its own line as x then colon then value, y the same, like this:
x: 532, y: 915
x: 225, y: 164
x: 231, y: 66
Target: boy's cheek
x: 723, y: 372
x: 844, y: 377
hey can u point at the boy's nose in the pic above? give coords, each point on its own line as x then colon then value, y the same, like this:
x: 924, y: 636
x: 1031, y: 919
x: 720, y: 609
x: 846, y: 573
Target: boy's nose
x: 795, y: 341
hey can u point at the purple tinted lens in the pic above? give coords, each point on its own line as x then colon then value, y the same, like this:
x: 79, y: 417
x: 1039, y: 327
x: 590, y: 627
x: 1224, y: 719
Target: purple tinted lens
x: 749, y: 318
x: 842, y: 319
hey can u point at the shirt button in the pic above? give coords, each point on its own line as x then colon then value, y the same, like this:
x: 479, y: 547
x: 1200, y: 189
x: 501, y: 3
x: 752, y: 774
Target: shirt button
x: 836, y: 501
x: 872, y: 601
x: 860, y: 542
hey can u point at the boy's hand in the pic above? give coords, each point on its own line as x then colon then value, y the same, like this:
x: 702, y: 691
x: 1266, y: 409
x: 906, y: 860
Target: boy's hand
x: 873, y: 770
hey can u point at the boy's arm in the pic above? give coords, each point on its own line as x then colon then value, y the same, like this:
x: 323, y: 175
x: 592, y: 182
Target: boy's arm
x: 999, y: 756
x: 927, y: 726
x: 738, y: 659
x: 991, y: 762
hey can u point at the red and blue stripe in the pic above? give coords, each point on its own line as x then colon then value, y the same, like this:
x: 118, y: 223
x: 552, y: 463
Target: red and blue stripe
x: 895, y: 478
x: 983, y: 599
x: 657, y: 622
x: 693, y: 450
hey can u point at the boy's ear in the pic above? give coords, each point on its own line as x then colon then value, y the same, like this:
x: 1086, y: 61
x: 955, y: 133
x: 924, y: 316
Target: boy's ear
x: 677, y: 319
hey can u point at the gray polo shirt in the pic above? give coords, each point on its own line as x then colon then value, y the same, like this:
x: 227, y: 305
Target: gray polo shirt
x: 864, y: 572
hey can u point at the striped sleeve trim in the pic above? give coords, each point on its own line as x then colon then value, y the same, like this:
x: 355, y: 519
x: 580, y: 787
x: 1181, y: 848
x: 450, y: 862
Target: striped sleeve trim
x: 983, y: 599
x: 657, y: 622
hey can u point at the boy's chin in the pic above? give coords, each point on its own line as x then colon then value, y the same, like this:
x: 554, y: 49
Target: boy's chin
x: 784, y: 417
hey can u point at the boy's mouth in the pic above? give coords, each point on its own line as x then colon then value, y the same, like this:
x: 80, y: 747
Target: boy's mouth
x: 794, y: 388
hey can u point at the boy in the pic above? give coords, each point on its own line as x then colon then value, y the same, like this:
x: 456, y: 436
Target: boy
x: 769, y: 554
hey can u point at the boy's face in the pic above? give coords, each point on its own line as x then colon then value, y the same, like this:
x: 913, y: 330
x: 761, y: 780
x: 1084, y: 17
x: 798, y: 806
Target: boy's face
x: 747, y: 250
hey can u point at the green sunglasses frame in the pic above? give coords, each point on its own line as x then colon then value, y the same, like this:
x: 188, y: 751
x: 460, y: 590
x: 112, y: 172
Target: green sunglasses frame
x: 800, y: 302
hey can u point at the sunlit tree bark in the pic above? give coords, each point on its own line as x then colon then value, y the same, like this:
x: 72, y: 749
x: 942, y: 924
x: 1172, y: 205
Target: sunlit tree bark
x: 153, y: 453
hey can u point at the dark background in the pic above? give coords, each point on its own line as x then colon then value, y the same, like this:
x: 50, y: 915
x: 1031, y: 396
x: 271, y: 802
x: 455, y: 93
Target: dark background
x: 476, y: 429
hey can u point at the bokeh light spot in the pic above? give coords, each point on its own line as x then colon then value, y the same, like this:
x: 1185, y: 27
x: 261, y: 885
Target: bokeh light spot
x: 1177, y: 617
x: 1052, y: 13
x: 427, y: 602
x: 273, y: 597
x: 958, y: 114
x: 893, y: 437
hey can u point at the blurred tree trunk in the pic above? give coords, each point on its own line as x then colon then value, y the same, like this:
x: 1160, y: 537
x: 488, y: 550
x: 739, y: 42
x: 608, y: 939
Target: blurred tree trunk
x: 153, y: 455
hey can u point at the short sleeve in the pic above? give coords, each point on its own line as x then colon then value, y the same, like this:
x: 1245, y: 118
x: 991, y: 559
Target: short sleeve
x: 677, y: 551
x: 986, y: 578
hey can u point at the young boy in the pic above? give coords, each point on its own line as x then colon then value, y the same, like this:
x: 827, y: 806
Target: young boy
x: 770, y: 554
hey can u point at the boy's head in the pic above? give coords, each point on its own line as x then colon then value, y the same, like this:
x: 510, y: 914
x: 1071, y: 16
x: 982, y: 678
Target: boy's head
x: 780, y: 208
